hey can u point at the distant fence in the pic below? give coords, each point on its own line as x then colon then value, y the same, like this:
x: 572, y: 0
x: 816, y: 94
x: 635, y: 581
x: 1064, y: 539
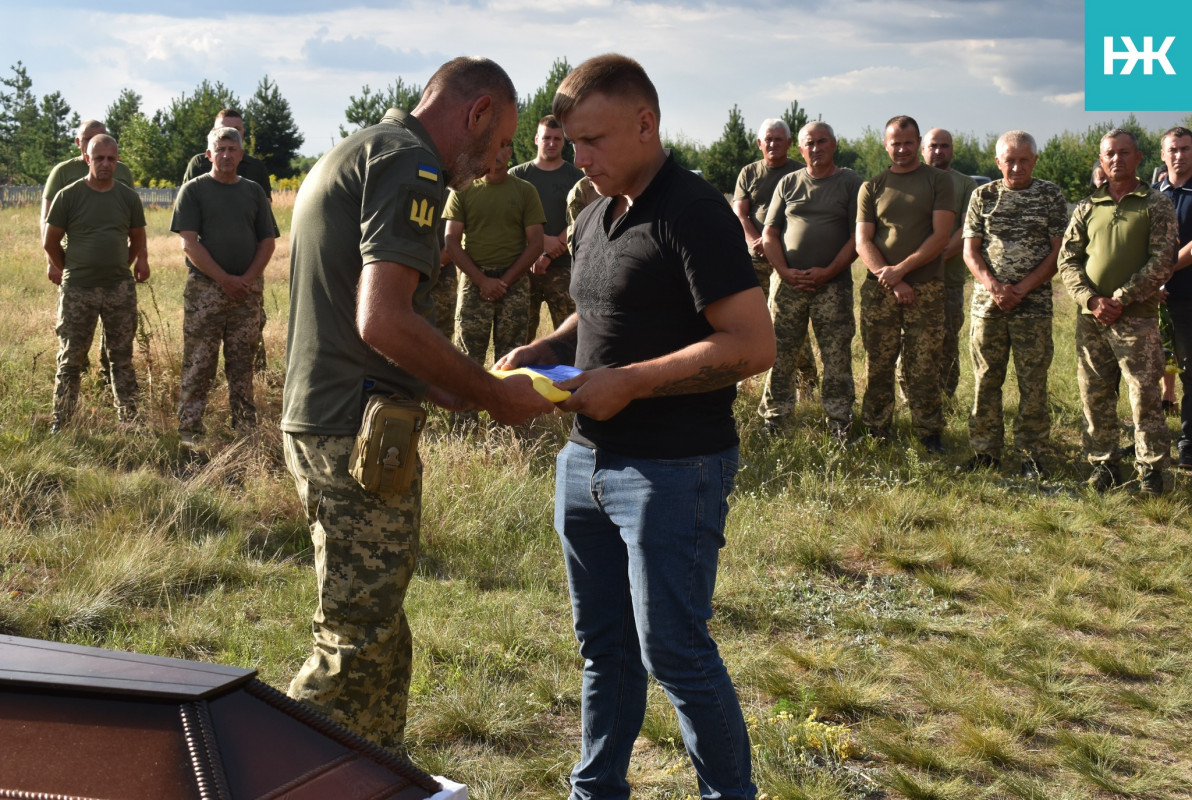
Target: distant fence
x: 31, y: 195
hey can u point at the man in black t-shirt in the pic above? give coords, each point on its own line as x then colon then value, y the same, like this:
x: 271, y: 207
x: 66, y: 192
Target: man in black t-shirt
x: 669, y: 316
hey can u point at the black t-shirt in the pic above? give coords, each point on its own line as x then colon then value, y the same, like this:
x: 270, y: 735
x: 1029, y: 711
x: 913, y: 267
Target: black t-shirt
x: 1180, y: 284
x: 640, y: 284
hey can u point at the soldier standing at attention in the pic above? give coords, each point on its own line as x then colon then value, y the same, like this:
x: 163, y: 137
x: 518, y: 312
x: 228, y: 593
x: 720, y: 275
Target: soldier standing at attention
x: 227, y: 232
x: 1012, y: 234
x: 553, y: 177
x: 904, y: 219
x: 106, y: 225
x: 1118, y: 250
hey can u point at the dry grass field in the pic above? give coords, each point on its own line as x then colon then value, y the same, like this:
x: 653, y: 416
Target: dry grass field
x: 895, y: 630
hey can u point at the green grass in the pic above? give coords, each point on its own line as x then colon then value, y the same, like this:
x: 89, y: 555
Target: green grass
x: 895, y: 630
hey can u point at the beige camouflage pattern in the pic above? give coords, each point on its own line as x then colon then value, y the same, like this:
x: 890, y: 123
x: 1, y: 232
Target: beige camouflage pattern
x: 477, y: 321
x: 359, y: 672
x: 211, y: 319
x: 830, y: 311
x: 554, y: 289
x: 991, y: 341
x: 78, y: 311
x: 444, y: 296
x: 917, y: 330
x: 1015, y: 227
x: 1131, y: 349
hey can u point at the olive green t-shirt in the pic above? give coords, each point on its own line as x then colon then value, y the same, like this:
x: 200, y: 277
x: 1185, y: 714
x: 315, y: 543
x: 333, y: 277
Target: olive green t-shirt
x: 495, y: 217
x: 75, y: 168
x: 817, y: 218
x: 98, y: 224
x: 955, y: 270
x: 376, y: 196
x: 553, y: 186
x: 900, y: 205
x: 230, y: 218
x: 756, y: 184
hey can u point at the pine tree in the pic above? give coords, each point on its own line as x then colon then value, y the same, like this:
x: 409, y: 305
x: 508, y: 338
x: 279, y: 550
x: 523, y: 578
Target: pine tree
x: 369, y: 108
x: 18, y: 124
x: 732, y: 151
x: 271, y: 129
x: 121, y: 111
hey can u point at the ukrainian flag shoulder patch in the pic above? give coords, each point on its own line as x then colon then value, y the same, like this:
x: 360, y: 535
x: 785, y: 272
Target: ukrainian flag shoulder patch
x: 428, y: 172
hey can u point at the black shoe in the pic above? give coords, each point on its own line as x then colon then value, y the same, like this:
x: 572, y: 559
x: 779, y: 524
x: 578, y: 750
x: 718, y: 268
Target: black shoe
x: 933, y: 444
x: 1185, y: 461
x: 770, y: 428
x: 1104, y: 477
x: 1150, y: 482
x: 1032, y: 470
x: 1171, y: 408
x: 979, y: 461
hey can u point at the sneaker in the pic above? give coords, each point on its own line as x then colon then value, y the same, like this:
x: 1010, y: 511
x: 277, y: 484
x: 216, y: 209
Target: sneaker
x: 979, y: 461
x: 1032, y: 470
x: 1150, y: 482
x: 933, y: 444
x: 1104, y: 477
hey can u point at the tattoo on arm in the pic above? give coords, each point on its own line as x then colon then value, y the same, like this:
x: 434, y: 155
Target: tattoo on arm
x: 707, y: 379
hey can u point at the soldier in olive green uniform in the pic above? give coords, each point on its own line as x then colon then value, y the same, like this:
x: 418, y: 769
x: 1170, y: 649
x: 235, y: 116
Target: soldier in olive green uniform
x: 363, y: 258
x: 553, y: 177
x: 751, y: 200
x: 227, y: 232
x: 494, y: 235
x: 938, y: 152
x: 904, y: 219
x: 808, y: 238
x: 106, y: 223
x: 1118, y: 251
x: 1012, y: 235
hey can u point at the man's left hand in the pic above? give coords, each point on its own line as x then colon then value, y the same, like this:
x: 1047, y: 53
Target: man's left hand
x: 599, y: 393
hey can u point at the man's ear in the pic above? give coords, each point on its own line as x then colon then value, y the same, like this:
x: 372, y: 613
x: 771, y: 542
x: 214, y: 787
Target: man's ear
x: 647, y: 122
x: 481, y: 108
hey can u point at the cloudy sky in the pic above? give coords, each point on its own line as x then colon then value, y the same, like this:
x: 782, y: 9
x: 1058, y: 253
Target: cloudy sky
x: 976, y: 66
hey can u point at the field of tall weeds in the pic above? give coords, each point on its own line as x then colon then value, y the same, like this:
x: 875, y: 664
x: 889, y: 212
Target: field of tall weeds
x: 894, y: 629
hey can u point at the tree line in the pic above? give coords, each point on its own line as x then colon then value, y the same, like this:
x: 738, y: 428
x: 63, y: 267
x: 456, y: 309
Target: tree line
x: 36, y: 134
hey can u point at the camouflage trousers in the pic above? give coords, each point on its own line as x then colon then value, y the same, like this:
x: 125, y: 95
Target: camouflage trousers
x: 991, y: 341
x: 79, y: 309
x: 365, y: 547
x: 1131, y: 349
x: 444, y: 294
x: 806, y: 375
x: 953, y: 322
x: 830, y: 312
x: 917, y: 332
x: 211, y: 319
x: 477, y: 321
x: 554, y: 289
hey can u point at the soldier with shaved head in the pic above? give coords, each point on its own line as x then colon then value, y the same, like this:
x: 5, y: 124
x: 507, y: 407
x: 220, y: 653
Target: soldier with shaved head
x: 106, y: 225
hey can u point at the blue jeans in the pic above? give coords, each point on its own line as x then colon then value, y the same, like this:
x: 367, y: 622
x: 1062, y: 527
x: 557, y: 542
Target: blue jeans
x: 641, y: 539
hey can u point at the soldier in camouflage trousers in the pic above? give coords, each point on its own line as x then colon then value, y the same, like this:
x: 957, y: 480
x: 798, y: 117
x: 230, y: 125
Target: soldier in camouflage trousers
x: 1012, y: 234
x: 106, y: 224
x: 1117, y: 252
x: 366, y: 546
x: 808, y: 239
x: 227, y: 230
